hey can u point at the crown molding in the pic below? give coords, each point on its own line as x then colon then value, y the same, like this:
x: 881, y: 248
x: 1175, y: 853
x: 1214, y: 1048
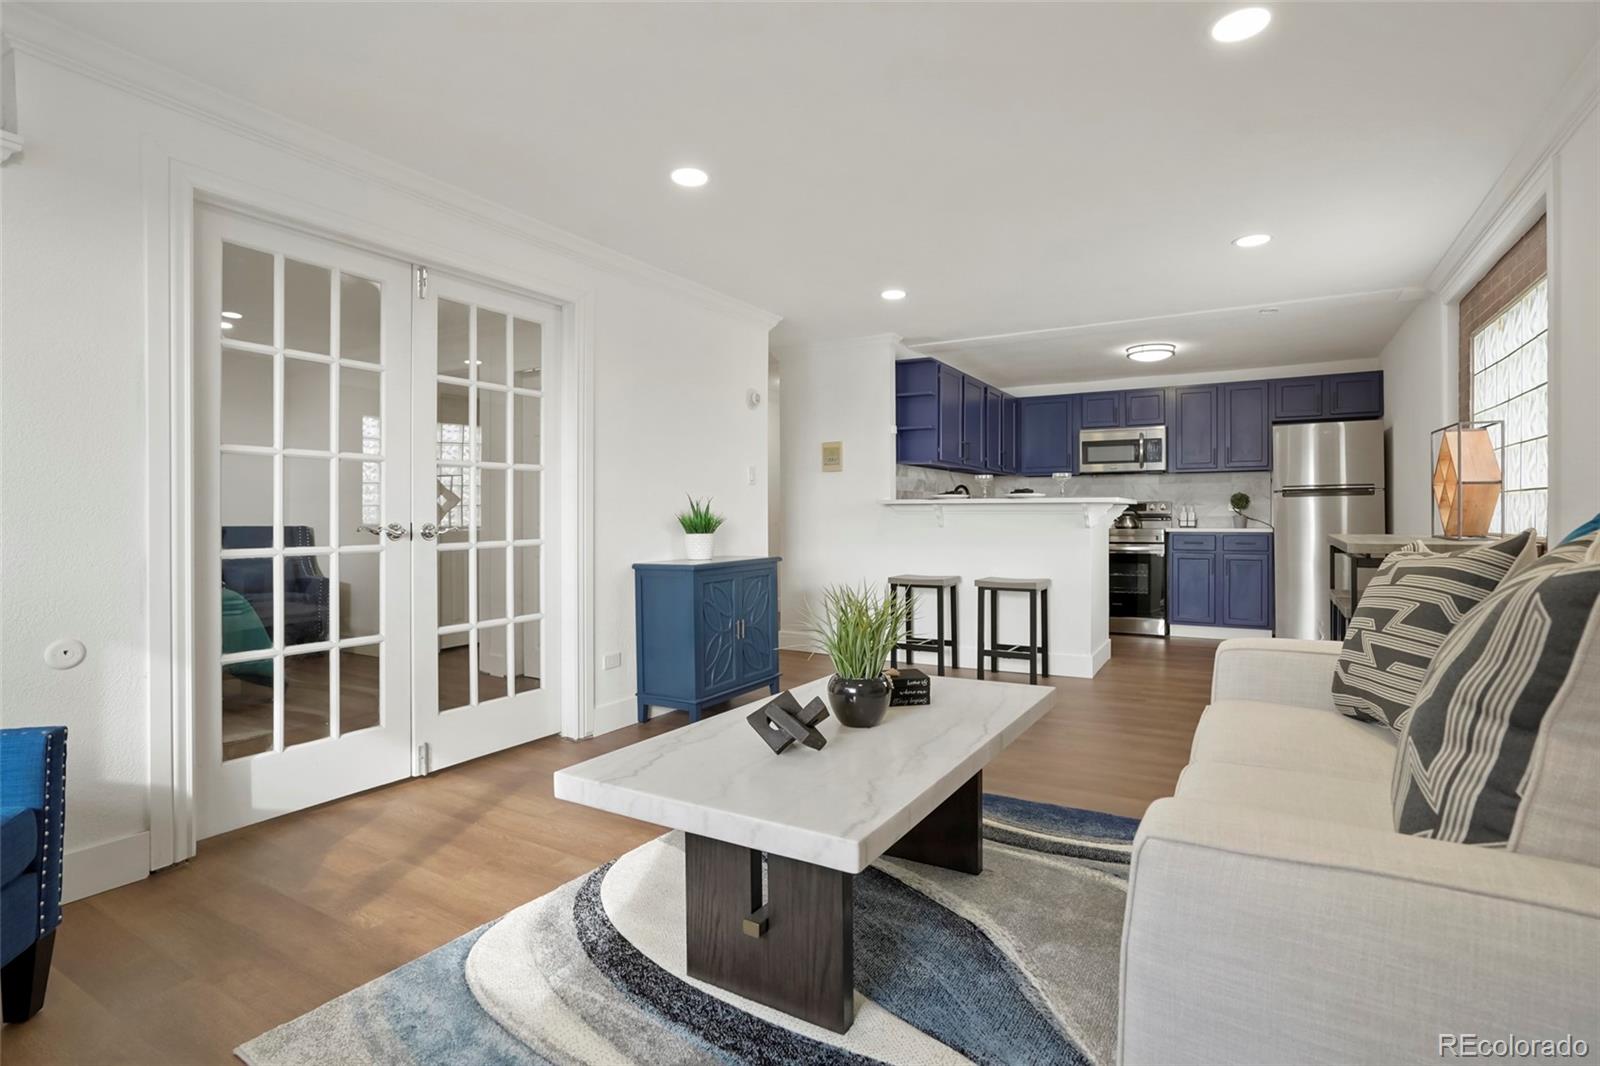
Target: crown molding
x: 30, y: 32
x: 1522, y: 183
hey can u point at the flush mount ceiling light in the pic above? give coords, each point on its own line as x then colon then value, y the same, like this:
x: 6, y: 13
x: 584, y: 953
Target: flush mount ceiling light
x: 893, y: 294
x: 231, y: 314
x: 1151, y: 353
x: 1252, y: 240
x: 1240, y: 25
x: 690, y: 177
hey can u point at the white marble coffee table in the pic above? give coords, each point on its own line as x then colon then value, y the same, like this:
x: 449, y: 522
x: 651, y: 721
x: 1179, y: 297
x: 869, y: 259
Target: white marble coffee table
x: 911, y: 787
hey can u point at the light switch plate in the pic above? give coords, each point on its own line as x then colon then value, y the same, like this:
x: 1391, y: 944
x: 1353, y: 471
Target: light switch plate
x: 612, y: 660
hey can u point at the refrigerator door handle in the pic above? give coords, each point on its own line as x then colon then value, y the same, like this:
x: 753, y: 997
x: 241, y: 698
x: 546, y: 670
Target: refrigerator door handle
x: 1329, y: 490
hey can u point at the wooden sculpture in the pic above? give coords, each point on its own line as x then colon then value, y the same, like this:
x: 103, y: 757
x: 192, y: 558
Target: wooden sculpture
x: 1466, y: 481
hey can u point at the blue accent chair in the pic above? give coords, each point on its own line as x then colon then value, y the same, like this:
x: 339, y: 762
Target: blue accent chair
x: 33, y: 801
x: 305, y: 589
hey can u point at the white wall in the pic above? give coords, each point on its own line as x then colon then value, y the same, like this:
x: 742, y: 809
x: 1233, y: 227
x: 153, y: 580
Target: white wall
x: 1419, y: 396
x: 672, y: 363
x: 1575, y: 359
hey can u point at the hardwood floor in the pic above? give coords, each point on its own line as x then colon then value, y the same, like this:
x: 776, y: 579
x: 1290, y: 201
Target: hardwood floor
x: 273, y: 920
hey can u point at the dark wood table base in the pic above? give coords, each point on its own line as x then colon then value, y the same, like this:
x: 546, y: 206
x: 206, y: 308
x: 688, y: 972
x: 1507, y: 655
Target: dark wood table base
x: 791, y: 948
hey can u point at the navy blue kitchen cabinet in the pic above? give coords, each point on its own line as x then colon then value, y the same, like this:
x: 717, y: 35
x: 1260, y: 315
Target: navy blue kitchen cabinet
x: 993, y: 416
x: 951, y: 385
x: 1245, y: 573
x: 1297, y: 399
x: 1100, y: 410
x: 1328, y: 397
x: 1046, y: 436
x: 1351, y: 396
x: 1246, y: 426
x: 972, y: 403
x: 1220, y: 579
x: 705, y: 631
x: 1192, y: 579
x: 1144, y: 407
x: 1010, y: 407
x: 1194, y: 439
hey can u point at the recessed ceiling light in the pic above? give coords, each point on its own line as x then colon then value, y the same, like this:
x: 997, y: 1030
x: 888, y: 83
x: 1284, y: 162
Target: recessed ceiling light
x: 893, y: 294
x: 690, y: 177
x: 231, y: 314
x: 1252, y: 240
x: 227, y: 325
x: 1240, y: 25
x: 1151, y: 353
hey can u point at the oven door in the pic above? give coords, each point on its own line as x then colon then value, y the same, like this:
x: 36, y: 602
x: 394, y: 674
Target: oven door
x: 1139, y: 589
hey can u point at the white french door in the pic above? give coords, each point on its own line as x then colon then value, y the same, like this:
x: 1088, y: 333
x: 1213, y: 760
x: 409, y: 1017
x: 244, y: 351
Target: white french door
x: 485, y: 358
x: 338, y: 413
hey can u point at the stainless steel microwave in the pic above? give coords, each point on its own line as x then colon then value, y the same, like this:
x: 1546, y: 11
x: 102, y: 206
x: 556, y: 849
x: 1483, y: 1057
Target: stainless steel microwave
x: 1136, y: 450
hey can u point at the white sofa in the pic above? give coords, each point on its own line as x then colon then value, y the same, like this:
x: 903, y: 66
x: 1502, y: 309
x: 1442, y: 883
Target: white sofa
x: 1275, y: 916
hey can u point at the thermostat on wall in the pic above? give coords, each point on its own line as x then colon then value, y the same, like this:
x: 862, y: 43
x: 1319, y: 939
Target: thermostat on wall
x: 832, y: 456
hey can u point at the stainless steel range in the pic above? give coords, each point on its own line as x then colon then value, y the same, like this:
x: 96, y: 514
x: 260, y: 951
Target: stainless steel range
x: 1139, y: 569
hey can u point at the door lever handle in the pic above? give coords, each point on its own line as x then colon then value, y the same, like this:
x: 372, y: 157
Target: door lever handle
x: 395, y: 531
x: 376, y: 531
x: 428, y: 531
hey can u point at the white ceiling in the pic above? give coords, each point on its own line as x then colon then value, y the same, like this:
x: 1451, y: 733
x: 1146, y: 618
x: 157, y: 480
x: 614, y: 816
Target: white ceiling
x: 1014, y: 167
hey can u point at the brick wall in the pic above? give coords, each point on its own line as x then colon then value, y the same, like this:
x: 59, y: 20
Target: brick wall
x: 1516, y: 272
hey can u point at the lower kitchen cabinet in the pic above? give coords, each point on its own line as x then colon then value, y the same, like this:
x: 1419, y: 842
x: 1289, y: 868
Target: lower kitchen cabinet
x: 1220, y: 579
x: 706, y: 631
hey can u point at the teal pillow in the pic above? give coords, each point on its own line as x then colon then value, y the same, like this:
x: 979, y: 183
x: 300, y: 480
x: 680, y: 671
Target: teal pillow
x: 1591, y: 526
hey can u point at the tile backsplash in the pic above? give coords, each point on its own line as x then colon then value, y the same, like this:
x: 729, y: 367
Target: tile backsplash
x: 1206, y: 493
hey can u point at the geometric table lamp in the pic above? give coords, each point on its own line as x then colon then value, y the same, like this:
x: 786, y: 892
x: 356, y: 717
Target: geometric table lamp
x: 1466, y: 480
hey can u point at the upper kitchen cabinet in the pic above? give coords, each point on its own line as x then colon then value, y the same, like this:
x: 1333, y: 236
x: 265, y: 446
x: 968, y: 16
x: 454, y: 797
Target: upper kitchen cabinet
x: 1010, y: 409
x: 1046, y: 435
x: 1100, y: 410
x: 1328, y: 397
x: 1246, y: 428
x: 1220, y: 427
x: 1194, y: 438
x: 1144, y: 407
x: 950, y: 420
x: 1351, y: 396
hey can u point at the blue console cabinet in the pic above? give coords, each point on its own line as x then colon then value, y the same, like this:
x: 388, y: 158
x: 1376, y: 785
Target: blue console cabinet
x: 706, y: 631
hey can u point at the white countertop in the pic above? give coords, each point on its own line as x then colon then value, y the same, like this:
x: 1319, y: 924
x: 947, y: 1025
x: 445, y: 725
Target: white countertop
x: 1219, y: 529
x: 1007, y: 501
x: 840, y: 807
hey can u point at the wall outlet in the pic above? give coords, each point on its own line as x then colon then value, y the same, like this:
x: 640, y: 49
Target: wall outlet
x: 611, y: 660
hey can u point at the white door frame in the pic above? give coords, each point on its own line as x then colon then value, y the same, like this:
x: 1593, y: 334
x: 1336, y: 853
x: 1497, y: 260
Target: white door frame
x: 172, y: 187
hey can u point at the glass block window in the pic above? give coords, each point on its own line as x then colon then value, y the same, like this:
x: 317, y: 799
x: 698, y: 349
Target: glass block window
x: 460, y: 487
x: 1510, y: 384
x: 371, y: 472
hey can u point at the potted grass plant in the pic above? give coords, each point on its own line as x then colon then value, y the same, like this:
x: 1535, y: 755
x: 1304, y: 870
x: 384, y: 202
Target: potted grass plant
x: 700, y: 524
x: 858, y: 628
x: 1239, y: 501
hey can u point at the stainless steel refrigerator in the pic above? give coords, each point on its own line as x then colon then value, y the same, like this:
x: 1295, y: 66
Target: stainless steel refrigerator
x: 1327, y: 477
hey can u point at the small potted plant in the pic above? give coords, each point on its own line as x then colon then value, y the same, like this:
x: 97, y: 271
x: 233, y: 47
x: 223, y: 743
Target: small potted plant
x: 700, y: 524
x: 1239, y: 501
x: 858, y: 628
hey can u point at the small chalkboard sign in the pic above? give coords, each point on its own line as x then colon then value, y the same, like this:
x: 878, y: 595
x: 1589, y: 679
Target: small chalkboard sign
x: 911, y: 688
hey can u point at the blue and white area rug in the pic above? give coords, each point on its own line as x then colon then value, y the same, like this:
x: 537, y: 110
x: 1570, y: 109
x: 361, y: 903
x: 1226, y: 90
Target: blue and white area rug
x: 1016, y: 965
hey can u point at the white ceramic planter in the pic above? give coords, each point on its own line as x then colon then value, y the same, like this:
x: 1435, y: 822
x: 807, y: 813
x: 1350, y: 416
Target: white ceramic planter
x: 698, y: 545
x: 1239, y: 520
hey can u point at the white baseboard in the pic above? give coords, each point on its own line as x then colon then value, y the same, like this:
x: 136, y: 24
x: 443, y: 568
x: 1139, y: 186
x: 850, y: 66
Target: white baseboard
x: 613, y: 715
x: 795, y: 640
x: 1216, y: 632
x: 96, y: 868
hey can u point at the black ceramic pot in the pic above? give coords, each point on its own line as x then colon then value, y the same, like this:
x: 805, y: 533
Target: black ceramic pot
x: 858, y: 704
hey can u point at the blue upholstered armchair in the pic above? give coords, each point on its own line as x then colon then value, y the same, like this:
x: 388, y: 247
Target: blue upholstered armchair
x: 305, y: 589
x: 33, y: 801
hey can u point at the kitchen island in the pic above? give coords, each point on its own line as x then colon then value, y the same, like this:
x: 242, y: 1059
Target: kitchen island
x: 1063, y: 538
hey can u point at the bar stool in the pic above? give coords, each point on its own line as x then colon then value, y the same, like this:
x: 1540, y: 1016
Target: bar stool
x: 1038, y: 646
x: 938, y: 643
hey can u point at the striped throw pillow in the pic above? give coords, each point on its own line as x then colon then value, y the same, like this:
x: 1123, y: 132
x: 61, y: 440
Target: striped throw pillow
x: 1502, y: 747
x: 1413, y: 602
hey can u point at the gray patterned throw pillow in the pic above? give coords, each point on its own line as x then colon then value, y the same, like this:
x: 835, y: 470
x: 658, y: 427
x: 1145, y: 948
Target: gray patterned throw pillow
x: 1404, y: 614
x: 1502, y: 747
